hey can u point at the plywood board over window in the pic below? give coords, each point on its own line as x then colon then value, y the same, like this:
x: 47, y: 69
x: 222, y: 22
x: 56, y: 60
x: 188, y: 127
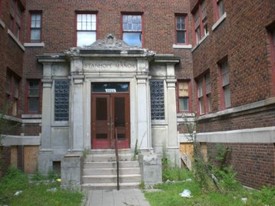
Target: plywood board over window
x: 183, y: 95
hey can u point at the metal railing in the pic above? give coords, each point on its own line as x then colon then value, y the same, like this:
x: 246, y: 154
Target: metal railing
x: 117, y: 159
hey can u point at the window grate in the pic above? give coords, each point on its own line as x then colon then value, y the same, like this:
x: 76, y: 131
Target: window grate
x: 157, y: 100
x: 61, y: 100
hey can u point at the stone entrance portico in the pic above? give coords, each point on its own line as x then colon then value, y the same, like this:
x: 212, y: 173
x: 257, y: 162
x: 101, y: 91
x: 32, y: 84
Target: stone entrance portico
x: 67, y: 107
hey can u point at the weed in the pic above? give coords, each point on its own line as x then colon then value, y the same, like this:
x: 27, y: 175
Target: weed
x: 37, y: 176
x: 32, y: 193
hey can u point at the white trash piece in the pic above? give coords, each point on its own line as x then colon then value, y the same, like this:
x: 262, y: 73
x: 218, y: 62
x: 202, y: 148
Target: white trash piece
x: 18, y: 192
x: 186, y: 193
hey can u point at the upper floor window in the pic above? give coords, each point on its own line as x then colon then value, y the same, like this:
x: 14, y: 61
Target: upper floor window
x: 225, y: 86
x: 12, y: 91
x: 35, y: 27
x: 271, y: 51
x: 200, y: 21
x: 33, y: 95
x: 218, y: 9
x: 16, y: 13
x: 132, y: 30
x: 183, y: 96
x: 86, y: 29
x: 204, y: 94
x: 181, y: 24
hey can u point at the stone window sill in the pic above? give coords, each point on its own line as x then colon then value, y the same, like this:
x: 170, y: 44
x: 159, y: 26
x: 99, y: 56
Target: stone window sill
x: 2, y: 24
x: 40, y: 44
x: 220, y: 20
x: 182, y: 46
x: 16, y: 40
x: 202, y: 40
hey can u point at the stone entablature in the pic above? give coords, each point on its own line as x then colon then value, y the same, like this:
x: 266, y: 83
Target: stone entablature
x: 108, y: 60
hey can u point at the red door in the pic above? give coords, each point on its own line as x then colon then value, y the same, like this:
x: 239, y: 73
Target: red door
x: 110, y: 112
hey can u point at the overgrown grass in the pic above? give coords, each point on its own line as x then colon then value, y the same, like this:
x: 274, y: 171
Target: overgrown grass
x: 42, y: 193
x: 231, y: 195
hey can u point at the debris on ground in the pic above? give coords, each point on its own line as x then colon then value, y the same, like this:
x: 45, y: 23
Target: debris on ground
x: 186, y: 193
x: 244, y: 200
x: 54, y: 189
x: 18, y: 192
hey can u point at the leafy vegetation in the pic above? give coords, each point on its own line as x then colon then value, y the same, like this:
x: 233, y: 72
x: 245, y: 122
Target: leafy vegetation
x: 168, y: 194
x: 210, y: 184
x: 16, y: 189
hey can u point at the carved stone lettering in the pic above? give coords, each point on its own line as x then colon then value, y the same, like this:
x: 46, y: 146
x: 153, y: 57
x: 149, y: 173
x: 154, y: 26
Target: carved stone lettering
x: 109, y: 66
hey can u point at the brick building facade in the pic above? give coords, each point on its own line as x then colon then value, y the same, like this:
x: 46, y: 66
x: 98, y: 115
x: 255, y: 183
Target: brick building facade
x: 233, y: 67
x: 225, y: 73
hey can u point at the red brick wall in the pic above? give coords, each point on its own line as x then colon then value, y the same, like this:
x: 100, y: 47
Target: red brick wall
x: 5, y: 154
x: 254, y: 163
x: 242, y: 37
x: 11, y: 55
x: 261, y: 118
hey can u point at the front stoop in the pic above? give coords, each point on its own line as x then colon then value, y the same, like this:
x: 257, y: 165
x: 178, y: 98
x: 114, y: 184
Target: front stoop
x: 100, y: 172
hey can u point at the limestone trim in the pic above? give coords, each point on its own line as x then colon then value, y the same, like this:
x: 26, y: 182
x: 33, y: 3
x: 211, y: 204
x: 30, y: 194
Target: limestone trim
x: 16, y: 40
x: 199, y: 43
x: 2, y: 24
x: 243, y: 108
x: 255, y: 135
x: 220, y: 20
x: 182, y: 46
x: 40, y: 44
x: 12, y: 140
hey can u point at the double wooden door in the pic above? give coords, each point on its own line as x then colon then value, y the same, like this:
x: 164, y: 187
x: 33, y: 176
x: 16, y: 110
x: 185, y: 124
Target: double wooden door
x: 110, y: 113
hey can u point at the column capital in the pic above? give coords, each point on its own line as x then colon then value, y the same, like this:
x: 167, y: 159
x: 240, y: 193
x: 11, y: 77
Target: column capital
x: 78, y: 79
x: 47, y: 82
x: 171, y: 83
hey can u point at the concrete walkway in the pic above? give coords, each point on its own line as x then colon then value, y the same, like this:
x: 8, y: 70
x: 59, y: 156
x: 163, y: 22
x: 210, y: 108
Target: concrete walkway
x: 124, y: 197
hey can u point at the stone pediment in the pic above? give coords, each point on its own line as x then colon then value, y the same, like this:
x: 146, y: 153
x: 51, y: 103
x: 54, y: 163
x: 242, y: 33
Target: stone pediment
x: 110, y: 42
x: 109, y: 45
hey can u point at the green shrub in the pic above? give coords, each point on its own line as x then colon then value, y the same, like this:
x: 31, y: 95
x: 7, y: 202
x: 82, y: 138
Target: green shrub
x: 175, y: 173
x: 266, y: 195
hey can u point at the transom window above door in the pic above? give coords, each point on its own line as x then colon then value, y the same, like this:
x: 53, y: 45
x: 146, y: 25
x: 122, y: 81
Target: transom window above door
x: 132, y: 30
x: 85, y: 29
x: 110, y: 87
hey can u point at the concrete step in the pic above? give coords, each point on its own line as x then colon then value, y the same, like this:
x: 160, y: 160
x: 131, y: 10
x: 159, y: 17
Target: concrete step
x: 99, y: 179
x: 110, y: 151
x: 110, y: 186
x: 122, y: 164
x: 108, y: 157
x: 111, y: 171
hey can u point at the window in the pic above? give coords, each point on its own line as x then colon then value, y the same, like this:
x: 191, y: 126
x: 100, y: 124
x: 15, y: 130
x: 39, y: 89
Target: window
x: 33, y: 96
x: 271, y: 51
x: 183, y: 96
x: 132, y: 30
x: 157, y: 100
x: 16, y: 13
x: 200, y: 21
x: 208, y: 92
x: 181, y: 23
x: 204, y: 94
x: 200, y: 97
x: 12, y: 91
x: 226, y: 94
x: 35, y: 27
x: 61, y: 100
x: 86, y: 29
x: 218, y: 8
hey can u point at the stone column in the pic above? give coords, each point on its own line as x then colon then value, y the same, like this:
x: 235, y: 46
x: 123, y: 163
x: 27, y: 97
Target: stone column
x: 76, y: 106
x: 143, y: 113
x: 172, y: 144
x: 44, y: 160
